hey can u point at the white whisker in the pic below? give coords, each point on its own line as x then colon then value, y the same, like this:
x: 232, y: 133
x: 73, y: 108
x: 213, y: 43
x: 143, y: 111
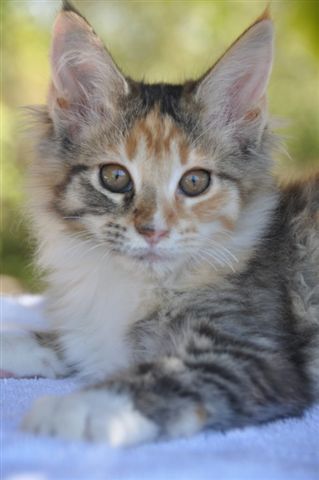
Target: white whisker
x: 221, y: 260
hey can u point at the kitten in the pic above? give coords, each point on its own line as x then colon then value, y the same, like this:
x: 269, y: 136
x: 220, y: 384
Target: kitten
x: 184, y: 282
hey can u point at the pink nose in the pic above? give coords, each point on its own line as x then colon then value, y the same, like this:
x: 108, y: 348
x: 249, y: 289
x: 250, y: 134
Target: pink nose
x: 151, y: 235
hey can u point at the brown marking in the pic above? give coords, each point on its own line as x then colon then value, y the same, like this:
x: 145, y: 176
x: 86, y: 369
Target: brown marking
x: 159, y: 132
x: 75, y: 226
x: 172, y: 133
x: 143, y: 217
x: 144, y: 211
x: 131, y: 146
x: 206, y: 210
x: 146, y: 132
x: 183, y: 151
x: 62, y: 102
x: 252, y: 114
x: 227, y: 222
x: 266, y: 15
x: 158, y: 126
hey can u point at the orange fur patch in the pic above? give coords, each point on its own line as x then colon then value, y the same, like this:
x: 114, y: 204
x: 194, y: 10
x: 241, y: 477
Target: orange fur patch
x: 131, y: 147
x: 227, y: 222
x: 183, y: 152
x: 62, y: 102
x: 158, y: 132
x: 206, y: 209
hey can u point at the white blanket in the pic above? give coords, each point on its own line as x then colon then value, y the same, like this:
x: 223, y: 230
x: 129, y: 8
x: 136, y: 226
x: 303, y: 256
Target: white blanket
x: 283, y: 450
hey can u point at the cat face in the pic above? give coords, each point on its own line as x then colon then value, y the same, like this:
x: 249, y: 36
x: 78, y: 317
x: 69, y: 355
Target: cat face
x: 153, y: 196
x: 159, y: 175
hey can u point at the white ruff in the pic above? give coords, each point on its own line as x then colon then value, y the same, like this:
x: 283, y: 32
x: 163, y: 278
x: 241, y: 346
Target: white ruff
x: 91, y: 302
x: 94, y: 298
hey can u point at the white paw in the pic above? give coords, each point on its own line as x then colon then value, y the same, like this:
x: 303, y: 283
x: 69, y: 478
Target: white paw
x: 22, y: 356
x: 97, y: 415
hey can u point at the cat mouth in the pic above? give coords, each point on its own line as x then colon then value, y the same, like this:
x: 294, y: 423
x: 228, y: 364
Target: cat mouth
x: 152, y: 257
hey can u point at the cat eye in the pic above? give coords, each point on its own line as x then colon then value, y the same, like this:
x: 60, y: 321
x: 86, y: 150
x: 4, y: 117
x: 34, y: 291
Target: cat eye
x: 116, y: 178
x: 195, y: 182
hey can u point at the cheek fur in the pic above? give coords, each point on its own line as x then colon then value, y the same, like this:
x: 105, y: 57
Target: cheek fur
x: 222, y: 207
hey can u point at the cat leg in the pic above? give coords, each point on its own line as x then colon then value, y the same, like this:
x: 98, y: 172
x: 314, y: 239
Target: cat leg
x: 167, y: 399
x: 30, y: 354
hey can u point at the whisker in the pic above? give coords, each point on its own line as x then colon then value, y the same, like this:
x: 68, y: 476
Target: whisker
x: 221, y: 260
x: 222, y: 252
x: 221, y: 247
x: 205, y: 260
x: 213, y: 249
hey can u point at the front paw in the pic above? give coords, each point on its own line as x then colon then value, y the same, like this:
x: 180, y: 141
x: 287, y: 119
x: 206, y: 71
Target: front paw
x: 23, y: 356
x: 95, y: 414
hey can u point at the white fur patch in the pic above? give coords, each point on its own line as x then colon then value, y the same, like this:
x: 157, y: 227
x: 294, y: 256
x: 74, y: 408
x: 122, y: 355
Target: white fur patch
x: 252, y: 223
x: 22, y: 356
x: 95, y: 415
x: 93, y: 301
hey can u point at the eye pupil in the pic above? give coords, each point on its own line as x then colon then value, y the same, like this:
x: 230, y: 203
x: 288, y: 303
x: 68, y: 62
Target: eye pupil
x: 195, y: 182
x: 115, y: 178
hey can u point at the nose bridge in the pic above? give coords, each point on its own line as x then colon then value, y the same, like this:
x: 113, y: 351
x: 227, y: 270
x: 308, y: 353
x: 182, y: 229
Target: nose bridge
x: 145, y: 208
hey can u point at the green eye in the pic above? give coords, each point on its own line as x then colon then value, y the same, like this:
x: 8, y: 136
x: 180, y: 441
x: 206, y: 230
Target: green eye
x: 116, y: 178
x: 195, y: 182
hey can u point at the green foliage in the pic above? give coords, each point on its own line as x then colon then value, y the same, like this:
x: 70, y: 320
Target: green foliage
x: 155, y: 40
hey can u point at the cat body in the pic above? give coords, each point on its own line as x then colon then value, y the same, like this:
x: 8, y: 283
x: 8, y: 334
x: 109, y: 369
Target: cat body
x: 183, y: 280
x: 117, y: 301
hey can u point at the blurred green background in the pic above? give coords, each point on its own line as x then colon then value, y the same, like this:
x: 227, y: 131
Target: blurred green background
x: 157, y: 40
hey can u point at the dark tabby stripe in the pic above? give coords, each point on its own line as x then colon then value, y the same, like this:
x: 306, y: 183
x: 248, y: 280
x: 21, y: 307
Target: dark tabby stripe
x: 72, y: 172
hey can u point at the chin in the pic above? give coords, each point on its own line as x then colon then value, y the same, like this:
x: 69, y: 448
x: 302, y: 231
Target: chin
x: 151, y: 263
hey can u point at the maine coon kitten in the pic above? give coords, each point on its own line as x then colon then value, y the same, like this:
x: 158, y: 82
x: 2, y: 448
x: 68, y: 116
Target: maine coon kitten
x: 184, y: 282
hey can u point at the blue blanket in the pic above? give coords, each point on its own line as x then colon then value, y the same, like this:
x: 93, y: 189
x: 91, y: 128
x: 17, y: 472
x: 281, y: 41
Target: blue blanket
x: 282, y: 450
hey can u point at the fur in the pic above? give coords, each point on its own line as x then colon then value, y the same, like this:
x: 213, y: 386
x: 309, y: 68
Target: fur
x: 217, y: 324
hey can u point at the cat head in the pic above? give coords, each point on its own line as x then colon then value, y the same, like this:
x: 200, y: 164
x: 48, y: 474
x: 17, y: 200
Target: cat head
x: 158, y: 175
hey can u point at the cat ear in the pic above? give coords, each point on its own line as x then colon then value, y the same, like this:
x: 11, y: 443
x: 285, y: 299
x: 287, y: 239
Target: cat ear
x: 234, y: 90
x: 85, y: 80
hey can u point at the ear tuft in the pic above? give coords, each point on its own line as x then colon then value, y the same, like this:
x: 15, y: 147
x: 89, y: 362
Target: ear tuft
x: 266, y: 15
x: 67, y: 6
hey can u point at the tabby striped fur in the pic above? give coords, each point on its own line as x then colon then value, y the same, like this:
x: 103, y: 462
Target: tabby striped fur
x: 221, y: 328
